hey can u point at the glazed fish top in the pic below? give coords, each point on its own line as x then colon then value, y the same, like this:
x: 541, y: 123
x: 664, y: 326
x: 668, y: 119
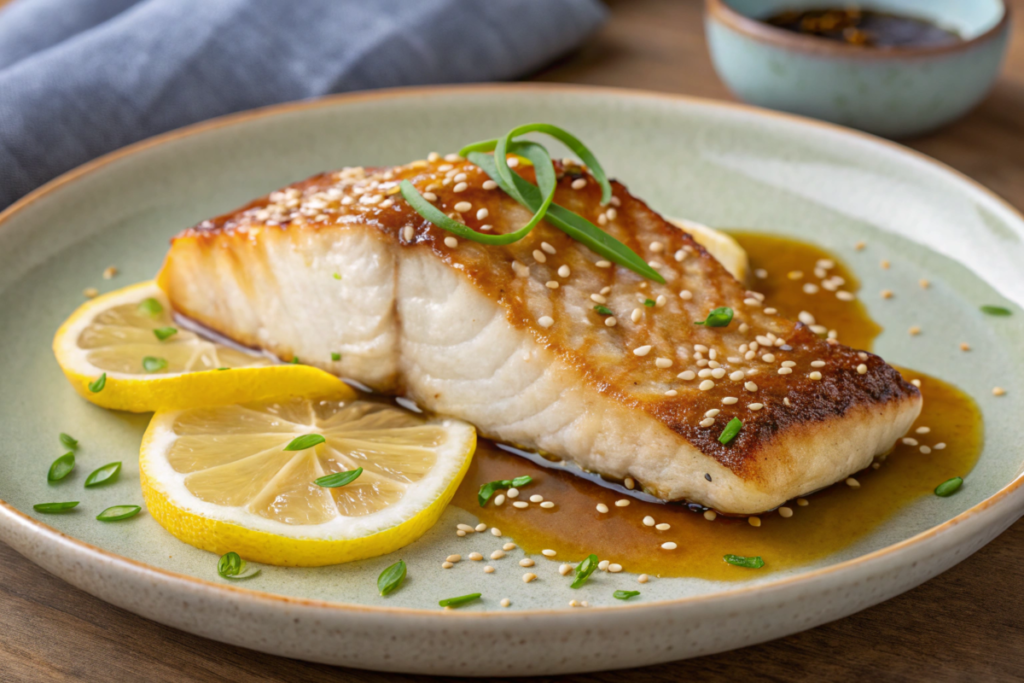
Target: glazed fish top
x: 632, y: 339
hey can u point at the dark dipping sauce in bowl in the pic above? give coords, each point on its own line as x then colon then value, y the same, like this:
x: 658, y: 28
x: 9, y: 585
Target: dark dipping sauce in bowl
x: 865, y: 27
x: 945, y: 442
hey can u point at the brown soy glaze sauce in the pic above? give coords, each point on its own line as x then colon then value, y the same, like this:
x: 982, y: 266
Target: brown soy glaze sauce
x: 832, y: 519
x: 864, y: 27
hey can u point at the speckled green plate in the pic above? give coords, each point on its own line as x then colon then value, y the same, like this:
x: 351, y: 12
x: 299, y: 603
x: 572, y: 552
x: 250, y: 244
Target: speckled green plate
x: 718, y: 164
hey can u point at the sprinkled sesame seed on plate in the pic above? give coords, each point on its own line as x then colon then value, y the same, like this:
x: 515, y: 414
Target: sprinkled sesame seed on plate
x: 818, y: 364
x: 622, y: 502
x: 914, y: 331
x: 671, y: 393
x: 602, y: 508
x: 710, y: 515
x: 565, y: 569
x: 886, y: 293
x: 495, y: 531
x: 909, y: 441
x: 669, y: 545
x: 408, y: 232
x: 547, y: 505
x: 754, y: 521
x: 862, y: 369
x: 845, y: 296
x: 521, y: 504
x: 460, y: 533
x: 926, y: 449
x: 884, y: 264
x: 614, y: 568
x: 551, y: 284
x: 476, y: 557
x: 685, y: 295
x: 998, y: 391
x: 465, y: 527
x: 852, y: 483
x: 939, y: 446
x: 610, y: 321
x: 536, y: 498
x: 803, y: 502
x: 663, y: 526
x: 528, y: 577
x: 660, y: 301
x: 636, y: 315
x: 643, y: 578
x: 663, y: 362
x: 499, y: 499
x: 916, y: 383
x: 785, y: 512
x: 810, y: 288
x: 526, y: 562
x: 453, y: 558
x: 648, y: 521
x: 481, y: 527
x: 513, y: 493
x: 447, y: 565
x: 505, y: 602
x: 488, y: 569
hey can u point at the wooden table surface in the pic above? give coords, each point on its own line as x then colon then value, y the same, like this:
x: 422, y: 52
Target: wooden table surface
x: 967, y: 624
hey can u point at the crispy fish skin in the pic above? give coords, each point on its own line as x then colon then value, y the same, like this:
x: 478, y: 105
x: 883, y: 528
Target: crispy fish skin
x: 340, y: 263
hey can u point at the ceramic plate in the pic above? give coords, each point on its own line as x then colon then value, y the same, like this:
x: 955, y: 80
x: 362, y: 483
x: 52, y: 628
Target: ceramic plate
x: 719, y: 164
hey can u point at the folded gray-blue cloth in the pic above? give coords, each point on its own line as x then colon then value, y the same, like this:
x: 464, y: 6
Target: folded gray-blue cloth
x: 79, y: 78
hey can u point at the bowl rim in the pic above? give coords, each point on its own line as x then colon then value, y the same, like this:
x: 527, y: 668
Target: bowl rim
x: 720, y: 11
x: 14, y: 519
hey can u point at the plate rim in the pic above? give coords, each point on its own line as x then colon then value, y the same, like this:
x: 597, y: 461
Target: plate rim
x: 11, y: 516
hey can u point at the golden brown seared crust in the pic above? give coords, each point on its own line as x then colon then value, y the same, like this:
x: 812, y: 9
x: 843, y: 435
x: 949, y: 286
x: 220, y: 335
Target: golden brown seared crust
x: 825, y: 383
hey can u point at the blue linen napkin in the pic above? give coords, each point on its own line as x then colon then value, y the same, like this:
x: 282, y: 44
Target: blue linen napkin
x: 79, y: 78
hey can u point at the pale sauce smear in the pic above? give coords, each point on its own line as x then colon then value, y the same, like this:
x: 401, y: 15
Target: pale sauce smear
x: 948, y: 444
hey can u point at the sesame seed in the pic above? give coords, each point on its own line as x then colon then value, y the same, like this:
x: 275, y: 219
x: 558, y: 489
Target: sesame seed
x: 476, y: 557
x: 916, y: 383
x: 602, y: 219
x: 615, y: 568
x: 509, y: 546
x: 547, y: 505
x: 447, y: 565
x: 526, y: 562
x: 660, y: 301
x: 712, y: 413
x: 460, y: 187
x: 671, y: 393
x: 551, y: 284
x: 771, y: 311
x: 579, y: 183
x: 495, y: 531
x: 663, y: 527
x: 717, y: 373
x: 546, y: 321
x: 810, y: 288
x: 768, y: 358
x: 565, y: 569
x: 630, y: 483
x: 754, y: 521
x: 669, y: 545
x: 636, y: 315
x: 598, y: 299
x: 706, y: 385
x: 465, y: 527
x: 482, y: 214
x: 486, y: 227
x: 643, y: 578
x: 563, y: 271
x: 818, y: 364
x: 528, y: 577
x: 926, y: 450
x: 513, y: 492
x: 795, y: 274
x: 453, y: 558
x: 603, y: 264
x: 729, y: 400
x: 657, y: 247
x: 513, y: 162
x: 663, y: 362
x: 640, y: 350
x: 909, y: 442
x: 488, y: 569
x: 521, y: 504
x: 648, y: 521
x: 785, y: 512
x: 451, y: 242
x: 785, y: 401
x: 803, y: 502
x: 853, y: 483
x: 685, y: 295
x: 612, y: 214
x: 603, y: 565
x: 499, y: 499
x: 489, y: 185
x: 548, y: 553
x: 884, y: 264
x: 750, y: 386
x: 707, y: 422
x: 622, y: 502
x: 939, y: 446
x: 736, y: 376
x: 845, y: 296
x: 886, y: 293
x: 602, y: 508
x: 460, y: 533
x: 90, y: 292
x: 539, y: 256
x: 680, y: 255
x: 914, y: 331
x: 536, y: 498
x: 710, y: 515
x: 998, y: 391
x: 687, y: 375
x: 755, y: 406
x: 815, y: 375
x: 505, y: 602
x: 785, y: 371
x: 481, y: 527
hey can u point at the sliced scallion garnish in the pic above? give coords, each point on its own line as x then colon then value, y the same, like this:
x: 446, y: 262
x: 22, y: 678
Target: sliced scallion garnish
x: 232, y: 566
x: 335, y: 356
x: 649, y: 303
x: 118, y: 512
x: 603, y: 310
x: 583, y: 571
x: 301, y: 443
x: 96, y: 386
x: 68, y: 441
x: 720, y: 317
x: 52, y: 508
x: 61, y: 467
x: 748, y: 562
x: 338, y: 479
x: 107, y: 473
x: 949, y: 487
x: 730, y: 431
x: 153, y: 364
x: 163, y: 333
x: 995, y: 310
x: 625, y: 595
x: 459, y: 601
x: 151, y: 307
x: 391, y: 578
x: 487, y: 490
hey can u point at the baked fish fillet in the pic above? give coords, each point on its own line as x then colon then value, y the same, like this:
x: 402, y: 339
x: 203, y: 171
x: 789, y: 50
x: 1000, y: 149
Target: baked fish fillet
x: 508, y: 337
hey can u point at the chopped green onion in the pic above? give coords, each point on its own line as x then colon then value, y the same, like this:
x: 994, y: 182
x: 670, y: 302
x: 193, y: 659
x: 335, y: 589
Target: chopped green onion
x: 335, y: 356
x: 106, y: 474
x: 949, y: 487
x: 97, y: 385
x: 61, y: 467
x: 583, y: 571
x: 338, y: 479
x: 488, y: 489
x: 295, y: 360
x: 649, y: 303
x: 163, y: 333
x: 459, y: 601
x: 68, y: 441
x: 223, y: 368
x: 730, y: 431
x: 720, y: 317
x: 995, y: 310
x: 153, y: 364
x: 625, y: 595
x: 603, y: 310
x: 118, y: 512
x: 232, y: 566
x: 151, y: 307
x: 391, y: 578
x: 53, y: 508
x: 748, y: 562
x: 301, y: 443
x: 337, y: 276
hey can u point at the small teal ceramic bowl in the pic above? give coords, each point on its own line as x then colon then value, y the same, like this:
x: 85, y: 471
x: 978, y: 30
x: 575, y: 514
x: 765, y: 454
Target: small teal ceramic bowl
x: 895, y: 92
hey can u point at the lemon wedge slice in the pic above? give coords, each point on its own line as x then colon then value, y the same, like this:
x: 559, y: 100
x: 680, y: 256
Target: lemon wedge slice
x: 723, y: 247
x: 118, y: 337
x: 223, y: 479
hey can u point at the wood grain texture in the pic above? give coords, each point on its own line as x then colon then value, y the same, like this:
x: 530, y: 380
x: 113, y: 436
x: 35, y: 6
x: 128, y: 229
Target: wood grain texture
x: 967, y: 624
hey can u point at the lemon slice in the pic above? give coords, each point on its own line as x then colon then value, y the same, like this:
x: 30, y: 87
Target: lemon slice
x: 724, y: 248
x: 221, y: 478
x: 114, y: 335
